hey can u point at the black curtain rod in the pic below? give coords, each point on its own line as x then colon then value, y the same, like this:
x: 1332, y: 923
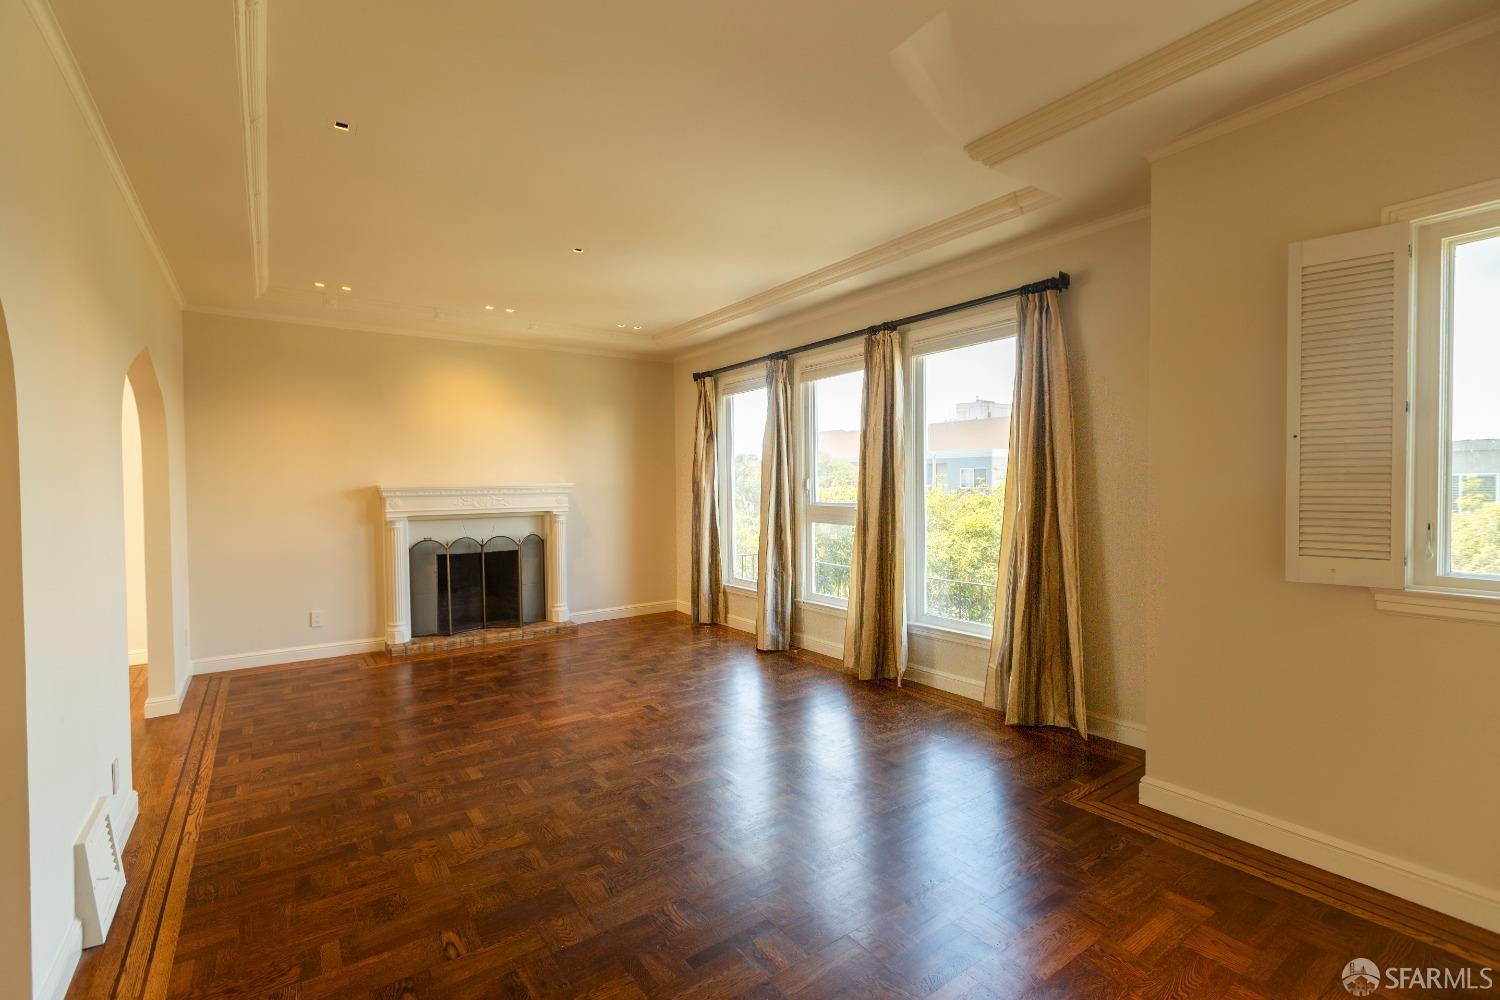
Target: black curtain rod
x: 1060, y: 283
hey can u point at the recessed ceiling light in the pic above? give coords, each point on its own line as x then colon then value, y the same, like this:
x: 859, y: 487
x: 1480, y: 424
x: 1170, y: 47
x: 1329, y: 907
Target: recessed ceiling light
x: 318, y: 284
x: 578, y: 249
x: 509, y: 309
x: 339, y: 126
x: 637, y: 327
x: 620, y: 325
x: 489, y: 308
x: 345, y: 288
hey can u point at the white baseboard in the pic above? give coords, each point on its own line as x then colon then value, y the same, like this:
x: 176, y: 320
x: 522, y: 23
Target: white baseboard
x: 1445, y: 893
x: 287, y: 654
x: 685, y: 607
x: 1132, y: 734
x: 126, y: 809
x: 740, y: 624
x: 135, y: 657
x: 164, y: 704
x: 965, y: 687
x: 59, y: 976
x: 624, y: 611
x: 167, y: 704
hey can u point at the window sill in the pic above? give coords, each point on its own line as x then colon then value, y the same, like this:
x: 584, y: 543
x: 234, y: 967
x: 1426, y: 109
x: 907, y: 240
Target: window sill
x: 943, y: 633
x: 1444, y: 604
x: 822, y: 607
x: 745, y: 589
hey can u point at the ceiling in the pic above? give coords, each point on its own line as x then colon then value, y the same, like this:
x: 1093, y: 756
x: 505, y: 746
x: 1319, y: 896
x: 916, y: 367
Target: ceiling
x: 718, y: 164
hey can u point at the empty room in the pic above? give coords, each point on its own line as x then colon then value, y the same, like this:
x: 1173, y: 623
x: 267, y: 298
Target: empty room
x: 851, y: 498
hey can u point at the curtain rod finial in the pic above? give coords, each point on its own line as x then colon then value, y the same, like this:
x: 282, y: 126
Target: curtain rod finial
x: 1064, y: 279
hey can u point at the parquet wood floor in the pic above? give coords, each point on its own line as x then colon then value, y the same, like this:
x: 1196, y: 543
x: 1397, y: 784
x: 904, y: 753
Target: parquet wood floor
x: 653, y: 809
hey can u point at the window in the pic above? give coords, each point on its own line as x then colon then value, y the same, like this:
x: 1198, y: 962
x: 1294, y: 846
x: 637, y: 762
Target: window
x: 1456, y: 419
x: 745, y: 421
x: 832, y: 406
x: 962, y: 399
x: 974, y: 478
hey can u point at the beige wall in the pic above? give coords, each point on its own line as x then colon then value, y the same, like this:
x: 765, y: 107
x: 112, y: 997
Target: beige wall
x: 1106, y: 322
x: 82, y: 296
x: 1297, y: 701
x: 290, y: 427
x: 135, y: 528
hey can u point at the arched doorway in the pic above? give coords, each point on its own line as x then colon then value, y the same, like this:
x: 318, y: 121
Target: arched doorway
x: 156, y: 535
x: 135, y: 566
x: 15, y: 850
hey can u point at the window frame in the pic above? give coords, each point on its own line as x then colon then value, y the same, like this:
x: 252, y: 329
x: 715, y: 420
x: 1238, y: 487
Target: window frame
x: 1430, y: 482
x: 812, y: 368
x: 729, y: 388
x: 947, y: 333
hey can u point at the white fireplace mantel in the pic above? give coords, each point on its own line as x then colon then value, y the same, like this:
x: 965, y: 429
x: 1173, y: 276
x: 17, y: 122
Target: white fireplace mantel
x: 548, y: 502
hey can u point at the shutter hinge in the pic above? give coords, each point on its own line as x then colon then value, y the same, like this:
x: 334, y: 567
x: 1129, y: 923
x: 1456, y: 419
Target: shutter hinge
x: 1408, y: 406
x: 1408, y: 251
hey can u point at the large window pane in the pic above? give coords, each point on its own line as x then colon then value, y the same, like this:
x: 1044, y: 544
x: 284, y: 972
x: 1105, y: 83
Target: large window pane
x: 747, y: 430
x: 836, y: 408
x: 966, y: 398
x: 1474, y: 415
x: 833, y: 546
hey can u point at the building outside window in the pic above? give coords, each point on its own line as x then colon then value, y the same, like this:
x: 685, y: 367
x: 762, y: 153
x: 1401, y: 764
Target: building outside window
x: 963, y: 403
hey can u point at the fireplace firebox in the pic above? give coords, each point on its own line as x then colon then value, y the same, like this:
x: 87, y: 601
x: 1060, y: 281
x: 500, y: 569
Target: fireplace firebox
x: 465, y: 584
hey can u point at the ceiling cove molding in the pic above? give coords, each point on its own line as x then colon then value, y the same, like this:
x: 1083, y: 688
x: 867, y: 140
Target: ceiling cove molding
x: 1342, y: 80
x: 991, y: 213
x: 946, y: 271
x: 600, y: 346
x: 430, y: 317
x: 1191, y: 54
x: 62, y: 54
x: 250, y: 50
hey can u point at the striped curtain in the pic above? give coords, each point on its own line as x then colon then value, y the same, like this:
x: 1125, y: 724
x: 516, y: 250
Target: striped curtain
x: 775, y: 583
x: 708, y: 575
x: 875, y: 630
x: 1036, y: 648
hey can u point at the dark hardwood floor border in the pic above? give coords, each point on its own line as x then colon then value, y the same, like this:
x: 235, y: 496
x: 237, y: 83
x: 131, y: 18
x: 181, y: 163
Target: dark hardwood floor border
x: 136, y: 960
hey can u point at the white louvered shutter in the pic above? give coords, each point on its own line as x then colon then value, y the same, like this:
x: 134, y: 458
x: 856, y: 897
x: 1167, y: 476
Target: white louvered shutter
x: 1348, y: 343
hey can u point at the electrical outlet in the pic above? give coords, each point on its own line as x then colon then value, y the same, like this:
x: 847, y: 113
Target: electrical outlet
x: 114, y: 776
x: 315, y: 619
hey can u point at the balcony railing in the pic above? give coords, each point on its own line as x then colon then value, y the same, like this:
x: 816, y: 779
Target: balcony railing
x: 831, y: 579
x: 961, y: 600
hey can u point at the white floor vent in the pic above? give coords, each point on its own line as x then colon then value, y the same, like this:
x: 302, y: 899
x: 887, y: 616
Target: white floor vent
x: 100, y: 879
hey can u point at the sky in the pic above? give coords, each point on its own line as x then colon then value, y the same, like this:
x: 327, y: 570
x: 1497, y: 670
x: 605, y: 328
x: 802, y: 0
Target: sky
x: 1476, y: 340
x: 982, y: 371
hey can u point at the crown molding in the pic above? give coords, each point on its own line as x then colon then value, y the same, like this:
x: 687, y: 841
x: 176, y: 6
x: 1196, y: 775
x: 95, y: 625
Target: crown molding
x: 985, y: 216
x: 1445, y: 204
x: 978, y: 260
x: 250, y: 51
x: 1342, y: 80
x: 603, y: 346
x: 62, y: 54
x: 1191, y: 54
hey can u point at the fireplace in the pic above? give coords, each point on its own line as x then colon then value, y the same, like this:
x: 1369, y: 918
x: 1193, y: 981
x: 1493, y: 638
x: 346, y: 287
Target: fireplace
x: 466, y: 584
x: 487, y: 562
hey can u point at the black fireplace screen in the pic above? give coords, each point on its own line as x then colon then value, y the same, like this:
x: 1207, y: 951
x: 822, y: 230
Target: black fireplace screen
x: 467, y: 585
